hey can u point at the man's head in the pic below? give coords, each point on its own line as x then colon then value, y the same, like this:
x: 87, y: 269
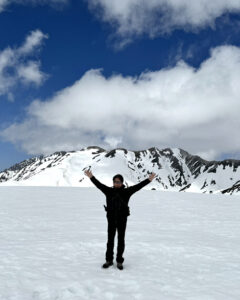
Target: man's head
x: 118, y: 181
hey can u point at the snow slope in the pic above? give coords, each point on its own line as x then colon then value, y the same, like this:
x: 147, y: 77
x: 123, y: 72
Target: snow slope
x: 176, y: 169
x: 179, y: 246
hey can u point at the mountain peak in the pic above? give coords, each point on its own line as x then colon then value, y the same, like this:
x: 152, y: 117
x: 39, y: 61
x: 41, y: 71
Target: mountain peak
x: 176, y: 169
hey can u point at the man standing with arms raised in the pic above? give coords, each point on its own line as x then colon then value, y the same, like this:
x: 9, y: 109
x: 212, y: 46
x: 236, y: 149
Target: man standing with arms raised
x: 117, y: 198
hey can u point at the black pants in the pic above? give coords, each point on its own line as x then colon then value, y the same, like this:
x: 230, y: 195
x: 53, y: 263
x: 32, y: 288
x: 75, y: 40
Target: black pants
x: 113, y: 225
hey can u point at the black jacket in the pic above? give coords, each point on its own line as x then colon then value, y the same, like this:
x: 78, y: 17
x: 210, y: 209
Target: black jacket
x: 117, y: 198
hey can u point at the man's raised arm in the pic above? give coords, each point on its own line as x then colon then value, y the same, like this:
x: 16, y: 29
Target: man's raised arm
x: 134, y: 188
x: 97, y: 183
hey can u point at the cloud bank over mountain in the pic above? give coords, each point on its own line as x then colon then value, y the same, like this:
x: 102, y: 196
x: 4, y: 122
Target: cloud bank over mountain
x: 194, y: 109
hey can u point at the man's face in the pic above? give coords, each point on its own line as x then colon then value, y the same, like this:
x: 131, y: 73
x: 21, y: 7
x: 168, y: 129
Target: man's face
x: 117, y: 183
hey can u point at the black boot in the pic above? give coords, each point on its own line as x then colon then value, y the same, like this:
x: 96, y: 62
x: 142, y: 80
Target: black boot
x: 107, y: 264
x: 119, y: 266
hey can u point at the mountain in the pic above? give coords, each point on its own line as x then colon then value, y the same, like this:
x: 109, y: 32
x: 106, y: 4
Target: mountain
x: 235, y: 189
x: 176, y: 169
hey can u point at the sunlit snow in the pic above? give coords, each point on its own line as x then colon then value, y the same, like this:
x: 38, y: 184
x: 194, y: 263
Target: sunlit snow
x: 177, y: 246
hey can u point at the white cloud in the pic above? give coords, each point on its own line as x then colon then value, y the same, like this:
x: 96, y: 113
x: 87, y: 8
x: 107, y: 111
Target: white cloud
x: 33, y: 41
x: 195, y: 109
x: 112, y: 141
x: 30, y: 73
x: 16, y: 66
x: 155, y: 17
x: 5, y: 3
x: 208, y: 155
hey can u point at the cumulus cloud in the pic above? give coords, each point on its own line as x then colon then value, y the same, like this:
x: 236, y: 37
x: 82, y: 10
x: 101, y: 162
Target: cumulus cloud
x: 32, y: 42
x: 132, y: 18
x: 16, y: 64
x: 5, y: 3
x: 194, y: 109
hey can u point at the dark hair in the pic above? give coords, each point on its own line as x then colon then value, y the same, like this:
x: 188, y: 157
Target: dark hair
x: 119, y: 176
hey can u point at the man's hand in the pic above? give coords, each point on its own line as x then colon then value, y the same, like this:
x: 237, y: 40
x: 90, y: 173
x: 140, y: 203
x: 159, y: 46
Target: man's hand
x: 152, y: 175
x: 88, y: 173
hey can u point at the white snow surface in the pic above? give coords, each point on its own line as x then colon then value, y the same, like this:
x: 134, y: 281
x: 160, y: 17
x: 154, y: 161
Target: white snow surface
x: 182, y: 246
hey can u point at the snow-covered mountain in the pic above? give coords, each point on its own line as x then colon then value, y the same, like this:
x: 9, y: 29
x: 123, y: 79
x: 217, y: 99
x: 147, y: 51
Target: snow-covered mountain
x: 176, y: 170
x: 235, y: 189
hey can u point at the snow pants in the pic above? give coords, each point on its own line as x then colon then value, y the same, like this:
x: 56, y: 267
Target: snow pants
x: 113, y: 226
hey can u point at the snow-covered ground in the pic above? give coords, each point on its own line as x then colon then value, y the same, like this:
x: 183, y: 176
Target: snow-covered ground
x: 178, y: 246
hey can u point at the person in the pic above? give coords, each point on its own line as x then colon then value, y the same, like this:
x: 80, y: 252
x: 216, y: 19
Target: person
x: 117, y: 198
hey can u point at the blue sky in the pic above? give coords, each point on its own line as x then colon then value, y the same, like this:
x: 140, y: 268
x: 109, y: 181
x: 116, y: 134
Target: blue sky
x: 90, y: 77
